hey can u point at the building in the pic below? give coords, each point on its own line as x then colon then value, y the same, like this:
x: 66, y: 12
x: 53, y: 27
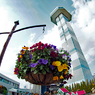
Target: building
x: 12, y: 86
x: 80, y: 69
x: 8, y: 82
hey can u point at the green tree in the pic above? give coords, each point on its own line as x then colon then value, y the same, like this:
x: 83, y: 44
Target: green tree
x: 91, y: 84
x: 88, y: 89
x: 72, y: 87
x: 78, y: 86
x: 4, y: 91
x: 69, y: 88
x: 84, y: 86
x: 81, y: 86
x: 75, y: 87
x: 63, y: 86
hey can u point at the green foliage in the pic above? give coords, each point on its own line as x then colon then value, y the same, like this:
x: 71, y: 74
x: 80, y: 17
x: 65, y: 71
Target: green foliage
x: 91, y: 84
x: 77, y: 86
x: 67, y: 88
x: 4, y: 92
x: 84, y: 86
x: 72, y: 87
x: 88, y: 89
x: 39, y: 59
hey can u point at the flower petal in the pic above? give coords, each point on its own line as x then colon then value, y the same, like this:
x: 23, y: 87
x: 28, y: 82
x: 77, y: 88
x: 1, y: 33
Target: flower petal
x: 55, y: 78
x: 60, y: 68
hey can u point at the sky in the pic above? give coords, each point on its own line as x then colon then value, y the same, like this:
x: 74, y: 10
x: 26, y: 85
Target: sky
x: 37, y: 12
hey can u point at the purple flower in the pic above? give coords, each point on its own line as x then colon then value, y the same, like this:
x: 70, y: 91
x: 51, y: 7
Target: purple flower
x: 53, y: 46
x: 52, y: 67
x: 22, y: 50
x: 70, y: 64
x: 31, y: 56
x: 42, y: 61
x: 69, y: 59
x: 64, y: 82
x: 45, y: 61
x: 33, y: 65
x: 63, y: 55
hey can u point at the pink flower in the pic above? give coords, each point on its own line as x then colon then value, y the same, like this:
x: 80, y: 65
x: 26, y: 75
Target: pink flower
x: 16, y: 71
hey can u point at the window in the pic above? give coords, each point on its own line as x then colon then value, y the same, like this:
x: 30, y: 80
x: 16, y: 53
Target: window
x: 60, y: 16
x: 74, y: 56
x: 57, y: 19
x: 62, y: 20
x: 59, y: 24
x: 0, y: 78
x: 5, y: 81
x: 60, y: 30
x: 65, y: 26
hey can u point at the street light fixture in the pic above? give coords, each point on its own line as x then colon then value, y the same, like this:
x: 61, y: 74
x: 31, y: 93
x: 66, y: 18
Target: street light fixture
x: 10, y: 35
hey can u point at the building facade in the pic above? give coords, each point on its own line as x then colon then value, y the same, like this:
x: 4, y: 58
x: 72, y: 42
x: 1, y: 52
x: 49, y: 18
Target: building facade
x: 9, y: 84
x: 80, y: 69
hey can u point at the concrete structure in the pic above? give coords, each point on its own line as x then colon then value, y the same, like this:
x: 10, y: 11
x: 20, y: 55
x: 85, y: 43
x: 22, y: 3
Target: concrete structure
x: 8, y: 83
x: 80, y: 69
x: 12, y: 86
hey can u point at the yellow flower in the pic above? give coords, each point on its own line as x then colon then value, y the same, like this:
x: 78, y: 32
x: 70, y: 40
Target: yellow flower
x: 56, y: 63
x: 55, y: 78
x: 61, y: 77
x: 64, y: 66
x: 60, y: 68
x: 23, y: 52
x: 20, y: 56
x: 25, y: 48
x: 53, y: 63
x: 66, y: 72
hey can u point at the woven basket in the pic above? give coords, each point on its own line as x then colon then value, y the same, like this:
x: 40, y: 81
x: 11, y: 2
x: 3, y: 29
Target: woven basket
x: 40, y: 79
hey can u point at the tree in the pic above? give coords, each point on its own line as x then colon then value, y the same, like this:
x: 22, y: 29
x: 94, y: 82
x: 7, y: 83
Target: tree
x: 72, y: 87
x: 69, y: 88
x: 91, y: 84
x: 84, y: 86
x: 78, y: 86
x: 88, y: 89
x: 75, y: 87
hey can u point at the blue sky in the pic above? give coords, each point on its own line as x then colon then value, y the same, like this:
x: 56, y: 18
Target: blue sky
x: 37, y: 12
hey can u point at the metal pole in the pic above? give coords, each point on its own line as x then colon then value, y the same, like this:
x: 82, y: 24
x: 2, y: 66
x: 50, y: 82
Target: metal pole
x: 7, y: 41
x: 26, y: 28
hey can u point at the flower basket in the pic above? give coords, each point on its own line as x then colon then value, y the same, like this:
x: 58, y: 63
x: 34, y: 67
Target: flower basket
x: 40, y: 79
x: 43, y: 64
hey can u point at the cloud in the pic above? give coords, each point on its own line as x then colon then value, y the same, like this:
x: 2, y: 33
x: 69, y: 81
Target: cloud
x: 8, y: 65
x: 30, y: 41
x: 83, y: 21
x: 52, y: 37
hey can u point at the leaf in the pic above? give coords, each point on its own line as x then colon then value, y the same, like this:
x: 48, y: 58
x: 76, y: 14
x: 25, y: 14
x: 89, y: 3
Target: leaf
x: 25, y: 70
x: 44, y: 72
x: 35, y: 71
x: 32, y: 69
x: 41, y: 67
x: 47, y: 69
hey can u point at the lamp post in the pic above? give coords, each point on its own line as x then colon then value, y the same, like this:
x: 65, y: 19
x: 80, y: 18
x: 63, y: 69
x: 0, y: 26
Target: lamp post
x: 10, y: 35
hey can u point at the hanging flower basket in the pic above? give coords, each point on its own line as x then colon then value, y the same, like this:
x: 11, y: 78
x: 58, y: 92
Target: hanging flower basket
x: 43, y: 64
